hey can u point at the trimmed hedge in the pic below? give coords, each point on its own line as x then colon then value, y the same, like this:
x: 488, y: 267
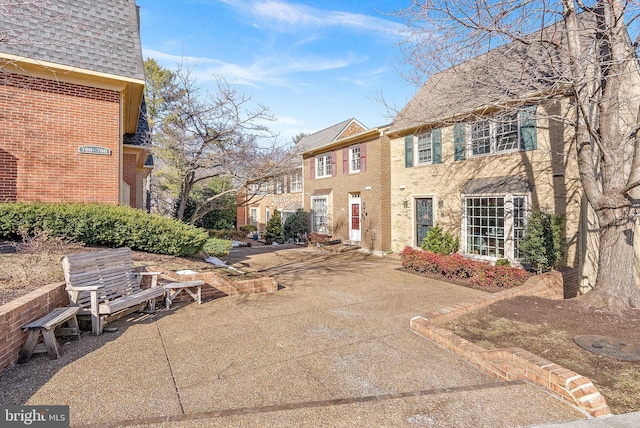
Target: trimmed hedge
x: 455, y: 266
x: 234, y: 235
x: 101, y: 224
x: 217, y: 247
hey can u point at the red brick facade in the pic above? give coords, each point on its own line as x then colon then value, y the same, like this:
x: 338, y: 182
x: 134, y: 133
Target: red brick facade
x: 42, y: 124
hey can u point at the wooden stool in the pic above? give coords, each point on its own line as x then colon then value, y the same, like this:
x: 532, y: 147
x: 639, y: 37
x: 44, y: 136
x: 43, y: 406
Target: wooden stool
x: 172, y: 289
x: 47, y: 326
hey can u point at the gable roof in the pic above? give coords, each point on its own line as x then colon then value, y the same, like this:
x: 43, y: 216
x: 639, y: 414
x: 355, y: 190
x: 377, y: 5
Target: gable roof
x: 328, y: 135
x: 514, y: 73
x: 97, y: 35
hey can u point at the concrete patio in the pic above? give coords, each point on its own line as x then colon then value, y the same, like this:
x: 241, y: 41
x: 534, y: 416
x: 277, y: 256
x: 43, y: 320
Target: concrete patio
x: 331, y: 348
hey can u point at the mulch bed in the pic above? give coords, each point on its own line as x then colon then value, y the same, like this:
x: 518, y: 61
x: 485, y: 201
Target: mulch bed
x: 548, y: 327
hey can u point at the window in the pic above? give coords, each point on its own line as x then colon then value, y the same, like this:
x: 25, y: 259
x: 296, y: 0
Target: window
x: 500, y: 134
x: 279, y: 185
x: 494, y: 225
x: 354, y: 156
x: 480, y: 138
x: 423, y: 149
x: 267, y: 215
x: 319, y: 216
x: 253, y: 216
x: 258, y: 188
x: 519, y: 223
x: 323, y: 166
x: 296, y: 182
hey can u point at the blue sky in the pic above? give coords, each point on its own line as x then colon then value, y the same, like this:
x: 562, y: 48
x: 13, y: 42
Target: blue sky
x: 313, y: 63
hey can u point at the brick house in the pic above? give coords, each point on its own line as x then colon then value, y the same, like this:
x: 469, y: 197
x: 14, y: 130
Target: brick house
x: 71, y: 92
x: 258, y: 200
x: 346, y: 188
x: 476, y: 165
x: 285, y: 191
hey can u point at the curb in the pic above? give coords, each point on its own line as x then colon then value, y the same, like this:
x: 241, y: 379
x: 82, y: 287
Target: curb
x: 510, y: 364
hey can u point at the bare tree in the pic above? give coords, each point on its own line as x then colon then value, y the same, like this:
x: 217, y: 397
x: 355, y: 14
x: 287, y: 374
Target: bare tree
x: 550, y: 50
x: 200, y: 137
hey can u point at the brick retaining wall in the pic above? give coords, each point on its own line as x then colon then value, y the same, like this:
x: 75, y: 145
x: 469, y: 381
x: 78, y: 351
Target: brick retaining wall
x: 21, y: 311
x: 515, y: 363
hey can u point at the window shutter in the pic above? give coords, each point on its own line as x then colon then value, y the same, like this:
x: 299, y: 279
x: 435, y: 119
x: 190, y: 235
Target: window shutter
x: 363, y: 157
x: 345, y: 161
x: 408, y: 151
x: 312, y: 168
x: 528, y: 131
x: 459, y: 144
x: 334, y: 156
x: 436, y: 145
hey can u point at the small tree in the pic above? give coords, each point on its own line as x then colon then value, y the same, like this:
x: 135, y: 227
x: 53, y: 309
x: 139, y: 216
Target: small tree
x: 438, y: 242
x: 296, y: 225
x: 274, y: 227
x: 542, y: 242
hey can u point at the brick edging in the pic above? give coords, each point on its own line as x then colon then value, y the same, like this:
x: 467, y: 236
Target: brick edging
x: 515, y: 363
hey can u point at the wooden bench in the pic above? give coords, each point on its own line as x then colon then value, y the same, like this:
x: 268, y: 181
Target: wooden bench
x: 48, y: 327
x: 104, y: 285
x: 172, y: 289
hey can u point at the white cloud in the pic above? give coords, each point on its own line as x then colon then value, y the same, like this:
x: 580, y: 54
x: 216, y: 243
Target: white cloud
x: 271, y: 71
x: 284, y: 16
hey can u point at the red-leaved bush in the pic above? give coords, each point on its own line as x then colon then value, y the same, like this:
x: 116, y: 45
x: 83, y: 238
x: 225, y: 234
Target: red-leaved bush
x: 455, y: 266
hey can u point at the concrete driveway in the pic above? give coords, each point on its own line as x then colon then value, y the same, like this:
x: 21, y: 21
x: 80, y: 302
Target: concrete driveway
x: 331, y: 348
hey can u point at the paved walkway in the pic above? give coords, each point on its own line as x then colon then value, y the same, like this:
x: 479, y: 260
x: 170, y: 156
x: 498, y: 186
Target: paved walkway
x: 332, y: 348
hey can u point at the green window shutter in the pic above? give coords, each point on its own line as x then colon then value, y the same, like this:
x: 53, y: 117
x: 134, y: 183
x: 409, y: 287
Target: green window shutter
x: 436, y: 144
x: 459, y: 144
x: 528, y: 131
x: 408, y: 151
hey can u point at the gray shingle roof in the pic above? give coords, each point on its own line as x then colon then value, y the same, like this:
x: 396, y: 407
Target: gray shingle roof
x: 325, y: 136
x: 513, y: 73
x: 97, y: 35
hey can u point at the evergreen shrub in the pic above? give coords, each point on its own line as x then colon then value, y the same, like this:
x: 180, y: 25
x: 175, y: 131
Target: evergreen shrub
x: 101, y: 224
x: 295, y: 225
x: 438, y: 242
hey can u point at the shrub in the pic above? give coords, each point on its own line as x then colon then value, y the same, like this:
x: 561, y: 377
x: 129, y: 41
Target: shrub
x: 295, y: 225
x: 317, y: 238
x: 438, y: 242
x: 542, y: 242
x: 274, y: 227
x: 455, y: 266
x: 236, y: 235
x: 503, y: 262
x: 100, y: 224
x: 248, y: 228
x: 217, y: 247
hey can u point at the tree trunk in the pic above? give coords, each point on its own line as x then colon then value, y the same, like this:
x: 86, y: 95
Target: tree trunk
x: 615, y: 288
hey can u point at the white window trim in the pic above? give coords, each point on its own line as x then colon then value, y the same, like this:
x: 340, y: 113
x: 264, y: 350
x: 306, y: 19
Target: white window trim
x: 509, y: 245
x: 313, y: 215
x: 326, y: 156
x: 493, y: 141
x: 416, y: 148
x: 352, y: 159
x: 296, y: 184
x: 255, y: 218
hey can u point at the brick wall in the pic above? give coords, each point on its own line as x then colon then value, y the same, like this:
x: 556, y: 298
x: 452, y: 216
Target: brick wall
x: 21, y: 311
x: 515, y: 363
x: 42, y: 124
x: 373, y: 187
x: 129, y: 176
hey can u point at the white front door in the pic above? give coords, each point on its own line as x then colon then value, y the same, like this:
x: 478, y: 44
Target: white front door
x: 355, y: 213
